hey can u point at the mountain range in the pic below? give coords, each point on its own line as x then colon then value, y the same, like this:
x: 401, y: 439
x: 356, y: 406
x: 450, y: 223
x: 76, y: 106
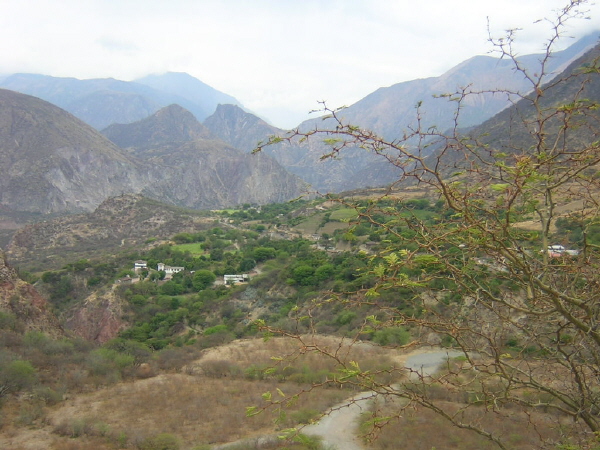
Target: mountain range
x: 579, y: 86
x: 102, y: 102
x: 390, y: 112
x: 153, y: 143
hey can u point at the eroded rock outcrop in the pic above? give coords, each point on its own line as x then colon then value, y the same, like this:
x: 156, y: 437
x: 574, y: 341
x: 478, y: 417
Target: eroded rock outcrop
x: 21, y: 299
x: 97, y: 318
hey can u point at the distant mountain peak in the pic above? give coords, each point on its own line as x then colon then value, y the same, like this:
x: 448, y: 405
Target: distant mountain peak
x: 229, y: 109
x: 171, y: 124
x: 178, y: 76
x: 175, y: 111
x: 192, y: 89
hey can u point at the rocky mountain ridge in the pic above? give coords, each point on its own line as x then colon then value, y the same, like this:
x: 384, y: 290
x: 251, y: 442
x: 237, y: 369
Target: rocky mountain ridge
x: 487, y: 80
x: 54, y: 163
x: 198, y: 170
x: 171, y: 125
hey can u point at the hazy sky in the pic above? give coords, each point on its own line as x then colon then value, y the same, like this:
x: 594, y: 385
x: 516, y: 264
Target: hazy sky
x: 277, y: 57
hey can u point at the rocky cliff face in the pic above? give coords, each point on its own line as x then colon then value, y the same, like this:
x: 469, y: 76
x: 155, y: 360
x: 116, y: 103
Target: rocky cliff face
x: 51, y: 162
x: 98, y: 318
x: 203, y: 179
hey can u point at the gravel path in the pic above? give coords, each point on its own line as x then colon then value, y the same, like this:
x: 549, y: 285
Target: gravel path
x: 338, y: 427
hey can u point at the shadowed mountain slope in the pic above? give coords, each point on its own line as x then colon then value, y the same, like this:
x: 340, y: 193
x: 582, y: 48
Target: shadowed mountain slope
x: 515, y: 129
x: 52, y: 162
x: 389, y: 111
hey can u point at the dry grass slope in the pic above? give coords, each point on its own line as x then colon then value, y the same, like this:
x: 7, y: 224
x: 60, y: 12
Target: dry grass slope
x: 200, y: 405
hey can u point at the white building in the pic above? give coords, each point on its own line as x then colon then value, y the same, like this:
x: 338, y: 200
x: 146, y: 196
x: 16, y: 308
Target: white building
x: 556, y: 251
x: 139, y: 265
x: 233, y: 279
x: 169, y: 270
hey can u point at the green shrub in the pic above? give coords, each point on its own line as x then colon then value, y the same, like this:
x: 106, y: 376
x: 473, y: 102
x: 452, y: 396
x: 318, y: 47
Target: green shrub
x: 48, y: 395
x: 15, y: 376
x: 391, y: 336
x: 8, y: 321
x: 106, y: 361
x: 163, y: 441
x: 216, y: 329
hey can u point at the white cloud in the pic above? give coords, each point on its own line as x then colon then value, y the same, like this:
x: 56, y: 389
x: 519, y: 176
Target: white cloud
x: 278, y: 57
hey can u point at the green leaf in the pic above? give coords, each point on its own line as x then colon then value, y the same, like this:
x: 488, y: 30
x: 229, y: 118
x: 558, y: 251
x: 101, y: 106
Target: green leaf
x: 252, y: 411
x: 288, y: 433
x: 379, y: 270
x: 500, y: 187
x: 372, y: 293
x: 391, y: 259
x: 372, y: 319
x: 348, y: 374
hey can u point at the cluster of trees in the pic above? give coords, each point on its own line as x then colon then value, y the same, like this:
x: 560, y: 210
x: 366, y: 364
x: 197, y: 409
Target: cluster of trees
x: 176, y: 311
x: 275, y: 213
